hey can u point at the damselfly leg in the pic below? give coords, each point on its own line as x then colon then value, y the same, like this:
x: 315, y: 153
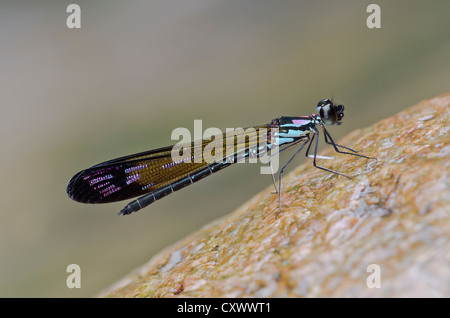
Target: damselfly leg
x: 335, y: 146
x: 329, y: 140
x: 281, y: 173
x: 315, y: 156
x: 275, y: 154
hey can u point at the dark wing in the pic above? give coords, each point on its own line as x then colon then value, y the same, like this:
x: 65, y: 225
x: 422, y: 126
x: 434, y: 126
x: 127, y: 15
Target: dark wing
x: 135, y: 175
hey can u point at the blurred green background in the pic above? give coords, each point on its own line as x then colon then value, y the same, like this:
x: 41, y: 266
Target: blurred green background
x: 138, y: 69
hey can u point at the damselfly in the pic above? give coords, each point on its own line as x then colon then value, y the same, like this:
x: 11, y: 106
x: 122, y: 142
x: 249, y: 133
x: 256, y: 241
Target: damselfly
x: 153, y: 174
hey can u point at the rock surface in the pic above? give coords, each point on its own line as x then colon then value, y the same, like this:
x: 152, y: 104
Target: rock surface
x: 388, y: 226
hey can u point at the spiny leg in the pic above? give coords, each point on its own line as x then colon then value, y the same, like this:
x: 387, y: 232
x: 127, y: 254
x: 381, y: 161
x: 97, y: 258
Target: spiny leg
x: 315, y: 155
x: 281, y: 172
x: 312, y: 156
x: 273, y: 177
x: 309, y: 146
x: 274, y: 154
x: 335, y: 146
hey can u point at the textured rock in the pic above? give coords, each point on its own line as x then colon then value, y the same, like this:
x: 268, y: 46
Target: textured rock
x: 394, y: 212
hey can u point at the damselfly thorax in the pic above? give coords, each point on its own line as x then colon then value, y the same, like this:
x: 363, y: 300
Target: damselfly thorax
x: 154, y: 174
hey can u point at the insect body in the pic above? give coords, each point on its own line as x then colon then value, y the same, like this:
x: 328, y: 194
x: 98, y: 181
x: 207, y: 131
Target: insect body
x: 154, y: 174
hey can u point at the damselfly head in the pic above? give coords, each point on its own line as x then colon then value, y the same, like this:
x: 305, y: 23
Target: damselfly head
x: 329, y: 113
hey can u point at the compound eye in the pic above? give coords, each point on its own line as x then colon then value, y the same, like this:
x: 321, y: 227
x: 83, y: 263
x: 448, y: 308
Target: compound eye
x: 328, y: 115
x: 324, y: 102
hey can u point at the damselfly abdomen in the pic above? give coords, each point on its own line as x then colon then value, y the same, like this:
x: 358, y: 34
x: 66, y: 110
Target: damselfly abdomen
x: 153, y: 174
